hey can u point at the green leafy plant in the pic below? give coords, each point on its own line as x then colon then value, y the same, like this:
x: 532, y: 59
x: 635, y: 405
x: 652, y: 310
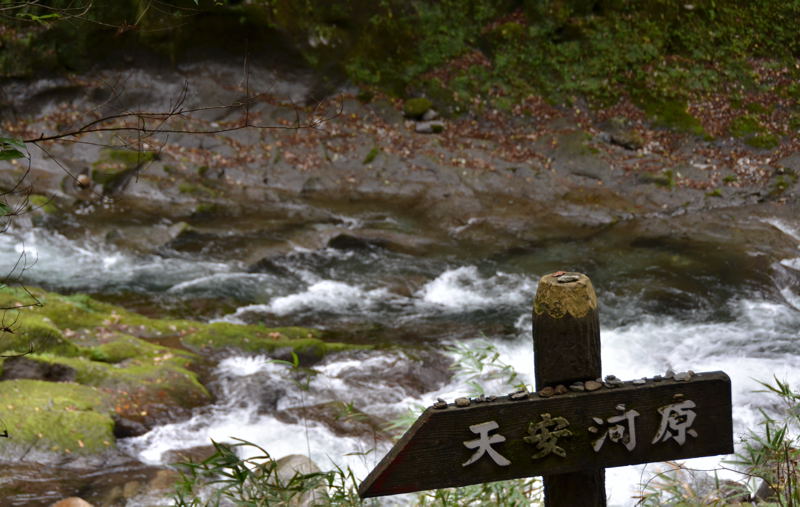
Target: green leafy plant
x: 225, y: 478
x: 480, y: 361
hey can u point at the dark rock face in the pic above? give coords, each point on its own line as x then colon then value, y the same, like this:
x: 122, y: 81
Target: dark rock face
x: 340, y: 418
x: 124, y: 427
x: 24, y: 368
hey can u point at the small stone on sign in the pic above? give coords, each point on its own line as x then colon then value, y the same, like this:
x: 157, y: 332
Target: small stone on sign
x: 519, y: 395
x: 577, y: 386
x: 669, y: 373
x: 546, y: 392
x: 491, y: 398
x: 462, y: 402
x: 610, y: 378
x: 640, y: 381
x: 658, y: 378
x: 560, y: 389
x: 592, y: 385
x: 568, y: 278
x: 682, y: 376
x: 440, y: 404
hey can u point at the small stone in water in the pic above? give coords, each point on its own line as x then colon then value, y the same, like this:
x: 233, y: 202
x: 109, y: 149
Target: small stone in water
x: 640, y: 381
x: 560, y: 389
x: 577, y: 386
x: 440, y: 403
x: 547, y: 392
x: 592, y: 385
x: 462, y: 402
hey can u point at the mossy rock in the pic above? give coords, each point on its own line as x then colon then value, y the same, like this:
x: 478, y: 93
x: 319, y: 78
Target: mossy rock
x: 80, y: 311
x: 744, y: 126
x: 672, y: 114
x: 38, y: 334
x: 54, y: 418
x: 115, y: 165
x: 415, y: 108
x: 305, y: 342
x: 140, y: 388
x: 122, y: 348
x: 765, y: 141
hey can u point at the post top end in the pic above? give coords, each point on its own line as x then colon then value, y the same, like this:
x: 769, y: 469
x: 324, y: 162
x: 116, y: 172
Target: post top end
x: 563, y: 293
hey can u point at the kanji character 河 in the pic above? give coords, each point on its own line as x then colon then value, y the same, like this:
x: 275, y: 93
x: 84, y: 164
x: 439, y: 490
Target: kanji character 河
x: 624, y: 433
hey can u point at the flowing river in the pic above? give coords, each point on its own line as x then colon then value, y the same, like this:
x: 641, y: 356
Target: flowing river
x: 664, y: 304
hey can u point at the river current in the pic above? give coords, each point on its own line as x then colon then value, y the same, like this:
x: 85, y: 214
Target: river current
x: 662, y: 306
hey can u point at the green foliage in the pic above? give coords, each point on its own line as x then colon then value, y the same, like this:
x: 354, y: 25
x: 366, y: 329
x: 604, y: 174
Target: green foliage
x: 11, y: 149
x: 256, y: 481
x: 373, y: 153
x: 562, y: 49
x: 479, y: 362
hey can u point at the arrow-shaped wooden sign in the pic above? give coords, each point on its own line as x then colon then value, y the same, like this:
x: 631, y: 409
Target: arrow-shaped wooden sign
x: 523, y: 435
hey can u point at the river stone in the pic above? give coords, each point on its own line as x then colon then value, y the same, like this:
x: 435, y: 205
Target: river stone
x: 560, y: 389
x: 295, y: 465
x: 124, y: 427
x: 592, y: 385
x: 430, y: 115
x: 462, y: 402
x: 429, y: 127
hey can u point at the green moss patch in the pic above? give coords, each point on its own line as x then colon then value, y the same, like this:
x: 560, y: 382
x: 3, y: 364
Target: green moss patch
x: 415, y: 108
x: 54, y: 417
x: 32, y: 332
x: 305, y: 342
x: 673, y: 114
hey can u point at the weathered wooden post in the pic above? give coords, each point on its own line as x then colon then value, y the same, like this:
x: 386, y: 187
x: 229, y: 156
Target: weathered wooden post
x: 572, y: 427
x: 566, y: 350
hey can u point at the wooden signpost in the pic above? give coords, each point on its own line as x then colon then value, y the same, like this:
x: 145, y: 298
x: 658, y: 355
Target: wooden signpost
x: 573, y: 427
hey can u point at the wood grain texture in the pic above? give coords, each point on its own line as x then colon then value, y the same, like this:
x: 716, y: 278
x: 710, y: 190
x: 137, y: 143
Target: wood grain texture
x: 566, y: 349
x: 431, y: 454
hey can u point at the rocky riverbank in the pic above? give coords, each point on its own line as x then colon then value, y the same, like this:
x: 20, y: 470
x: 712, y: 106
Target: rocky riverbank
x: 496, y: 178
